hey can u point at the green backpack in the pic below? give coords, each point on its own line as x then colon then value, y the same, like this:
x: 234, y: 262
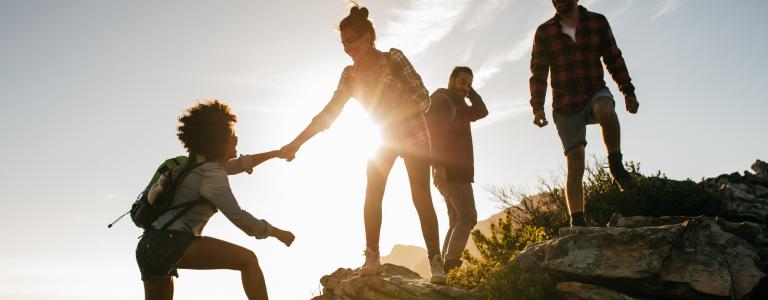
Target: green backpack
x: 144, y: 213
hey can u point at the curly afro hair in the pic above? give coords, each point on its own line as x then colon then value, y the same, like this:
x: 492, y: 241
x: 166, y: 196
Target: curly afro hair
x: 206, y: 127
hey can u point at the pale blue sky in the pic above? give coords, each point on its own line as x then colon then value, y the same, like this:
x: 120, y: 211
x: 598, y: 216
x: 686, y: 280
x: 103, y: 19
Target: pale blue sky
x: 91, y: 91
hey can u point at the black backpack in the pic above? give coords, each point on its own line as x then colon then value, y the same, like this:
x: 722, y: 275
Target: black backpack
x: 144, y: 214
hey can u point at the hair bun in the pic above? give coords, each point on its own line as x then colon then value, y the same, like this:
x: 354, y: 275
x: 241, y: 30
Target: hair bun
x: 358, y: 12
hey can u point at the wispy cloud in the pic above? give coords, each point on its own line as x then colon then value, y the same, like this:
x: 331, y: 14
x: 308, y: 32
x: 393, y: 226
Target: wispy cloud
x: 424, y: 22
x: 486, y: 14
x: 492, y: 65
x: 668, y: 7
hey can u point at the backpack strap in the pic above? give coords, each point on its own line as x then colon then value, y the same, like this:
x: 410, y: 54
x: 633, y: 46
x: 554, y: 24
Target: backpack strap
x: 186, y: 206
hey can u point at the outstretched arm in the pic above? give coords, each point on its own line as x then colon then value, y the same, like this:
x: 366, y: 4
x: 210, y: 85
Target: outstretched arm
x: 324, y: 119
x: 214, y: 187
x: 246, y: 163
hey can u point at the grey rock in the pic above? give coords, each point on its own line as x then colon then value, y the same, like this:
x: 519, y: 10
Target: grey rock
x: 393, y: 283
x: 694, y: 259
x: 584, y: 291
x: 761, y: 169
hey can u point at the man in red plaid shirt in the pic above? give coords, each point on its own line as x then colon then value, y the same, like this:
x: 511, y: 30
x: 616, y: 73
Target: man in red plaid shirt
x: 570, y: 44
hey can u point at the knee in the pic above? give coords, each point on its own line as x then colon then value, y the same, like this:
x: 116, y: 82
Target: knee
x: 249, y: 261
x: 604, y: 111
x: 575, y: 157
x: 469, y: 221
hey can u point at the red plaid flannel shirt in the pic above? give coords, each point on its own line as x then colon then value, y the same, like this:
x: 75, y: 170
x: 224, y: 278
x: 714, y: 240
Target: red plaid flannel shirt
x: 576, y: 69
x: 395, y: 97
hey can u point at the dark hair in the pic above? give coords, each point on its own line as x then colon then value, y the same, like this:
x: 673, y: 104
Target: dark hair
x: 206, y: 127
x: 459, y: 69
x: 357, y: 20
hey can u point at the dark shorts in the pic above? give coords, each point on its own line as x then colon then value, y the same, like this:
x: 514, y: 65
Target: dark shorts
x: 158, y: 253
x: 572, y: 127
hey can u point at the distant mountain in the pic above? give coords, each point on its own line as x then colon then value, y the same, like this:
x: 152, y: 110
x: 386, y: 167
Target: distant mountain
x: 415, y: 257
x: 411, y: 257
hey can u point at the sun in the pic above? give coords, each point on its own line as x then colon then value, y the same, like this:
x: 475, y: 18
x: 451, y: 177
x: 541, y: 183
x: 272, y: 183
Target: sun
x: 355, y: 131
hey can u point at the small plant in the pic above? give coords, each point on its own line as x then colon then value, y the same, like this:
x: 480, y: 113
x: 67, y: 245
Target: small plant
x: 494, y: 274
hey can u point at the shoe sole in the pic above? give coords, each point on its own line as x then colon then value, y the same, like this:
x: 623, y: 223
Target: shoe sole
x: 437, y: 280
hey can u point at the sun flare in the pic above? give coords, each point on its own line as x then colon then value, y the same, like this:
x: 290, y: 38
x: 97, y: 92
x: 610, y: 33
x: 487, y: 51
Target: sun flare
x: 354, y: 130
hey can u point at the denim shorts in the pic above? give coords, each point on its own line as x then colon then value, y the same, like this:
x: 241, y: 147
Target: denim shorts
x: 158, y: 253
x: 572, y: 127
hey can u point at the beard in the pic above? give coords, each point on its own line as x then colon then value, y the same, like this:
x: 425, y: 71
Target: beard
x: 565, y: 7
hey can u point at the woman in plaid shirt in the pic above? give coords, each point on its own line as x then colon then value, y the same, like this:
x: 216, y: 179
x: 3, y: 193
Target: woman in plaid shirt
x: 389, y: 88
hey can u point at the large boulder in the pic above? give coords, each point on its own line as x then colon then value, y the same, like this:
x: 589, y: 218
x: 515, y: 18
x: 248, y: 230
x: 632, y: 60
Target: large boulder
x: 393, y: 283
x: 744, y: 197
x: 673, y: 257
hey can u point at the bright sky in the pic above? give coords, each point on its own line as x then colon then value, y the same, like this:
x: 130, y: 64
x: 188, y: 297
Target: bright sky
x: 91, y: 91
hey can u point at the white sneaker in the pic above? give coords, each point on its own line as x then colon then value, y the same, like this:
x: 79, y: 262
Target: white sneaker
x: 372, y: 264
x: 436, y: 266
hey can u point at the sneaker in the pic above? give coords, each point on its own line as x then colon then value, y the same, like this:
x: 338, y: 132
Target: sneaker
x: 436, y: 266
x: 372, y: 263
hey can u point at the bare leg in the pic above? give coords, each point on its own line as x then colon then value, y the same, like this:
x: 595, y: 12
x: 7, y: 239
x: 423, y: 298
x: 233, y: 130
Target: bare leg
x: 418, y: 176
x: 604, y: 112
x: 378, y: 171
x: 209, y: 253
x: 573, y: 187
x: 159, y: 289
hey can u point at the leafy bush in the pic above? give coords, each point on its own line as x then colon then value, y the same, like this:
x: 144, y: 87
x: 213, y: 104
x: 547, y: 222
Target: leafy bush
x: 657, y: 196
x: 532, y: 218
x: 494, y: 274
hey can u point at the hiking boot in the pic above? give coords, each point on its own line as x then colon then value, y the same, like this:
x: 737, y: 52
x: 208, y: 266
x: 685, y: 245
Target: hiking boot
x: 451, y: 264
x: 436, y: 266
x: 619, y: 173
x: 624, y: 180
x: 372, y: 263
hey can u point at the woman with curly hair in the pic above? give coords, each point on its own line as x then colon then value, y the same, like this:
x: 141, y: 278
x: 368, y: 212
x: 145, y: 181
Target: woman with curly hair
x: 206, y: 131
x: 388, y: 87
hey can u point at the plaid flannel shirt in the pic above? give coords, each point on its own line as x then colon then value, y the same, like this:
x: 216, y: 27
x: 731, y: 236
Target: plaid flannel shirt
x: 395, y: 97
x: 576, y: 69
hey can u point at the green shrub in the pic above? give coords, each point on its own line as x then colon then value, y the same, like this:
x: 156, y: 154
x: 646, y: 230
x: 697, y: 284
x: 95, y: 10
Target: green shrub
x: 494, y: 274
x: 534, y: 217
x: 657, y: 196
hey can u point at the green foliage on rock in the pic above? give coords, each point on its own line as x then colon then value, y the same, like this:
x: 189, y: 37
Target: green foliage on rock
x: 534, y: 217
x: 493, y: 274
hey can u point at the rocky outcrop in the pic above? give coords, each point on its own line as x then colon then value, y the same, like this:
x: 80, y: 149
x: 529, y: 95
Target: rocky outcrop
x: 673, y: 257
x: 393, y: 283
x: 744, y: 196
